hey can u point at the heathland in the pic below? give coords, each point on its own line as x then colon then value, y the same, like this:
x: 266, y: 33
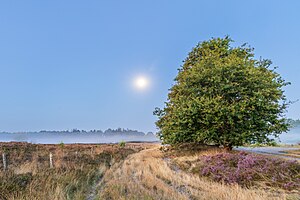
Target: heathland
x: 143, y: 171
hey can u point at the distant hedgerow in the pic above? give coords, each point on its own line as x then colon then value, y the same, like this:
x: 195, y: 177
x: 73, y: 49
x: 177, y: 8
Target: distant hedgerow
x: 245, y: 169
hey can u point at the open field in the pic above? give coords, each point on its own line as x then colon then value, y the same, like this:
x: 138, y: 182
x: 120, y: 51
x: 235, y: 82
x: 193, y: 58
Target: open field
x: 293, y: 153
x: 109, y: 171
x: 76, y: 169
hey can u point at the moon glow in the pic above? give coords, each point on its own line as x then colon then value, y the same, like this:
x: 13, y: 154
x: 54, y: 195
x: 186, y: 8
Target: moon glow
x: 141, y: 83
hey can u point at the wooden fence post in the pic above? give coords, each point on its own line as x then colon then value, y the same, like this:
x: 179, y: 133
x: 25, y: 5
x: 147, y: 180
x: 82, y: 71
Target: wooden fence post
x: 51, y: 160
x: 4, y: 161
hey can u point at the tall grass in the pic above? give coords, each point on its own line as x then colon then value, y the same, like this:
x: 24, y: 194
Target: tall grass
x: 77, y: 168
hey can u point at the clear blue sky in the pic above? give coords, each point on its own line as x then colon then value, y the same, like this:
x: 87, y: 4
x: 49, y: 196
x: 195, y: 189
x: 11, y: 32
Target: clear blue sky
x: 69, y: 64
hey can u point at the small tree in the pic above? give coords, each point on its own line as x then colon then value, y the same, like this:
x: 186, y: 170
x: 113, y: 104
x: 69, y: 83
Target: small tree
x: 223, y: 96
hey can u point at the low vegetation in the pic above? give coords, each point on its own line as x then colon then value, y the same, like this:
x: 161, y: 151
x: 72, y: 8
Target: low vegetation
x: 76, y: 169
x: 143, y: 171
x: 250, y: 169
x: 155, y: 174
x: 293, y: 153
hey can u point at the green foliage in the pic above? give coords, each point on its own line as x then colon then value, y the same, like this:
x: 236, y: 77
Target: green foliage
x: 223, y: 96
x: 122, y: 144
x: 61, y: 144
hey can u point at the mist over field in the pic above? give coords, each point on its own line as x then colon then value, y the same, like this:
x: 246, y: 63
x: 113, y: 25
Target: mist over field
x: 79, y: 137
x: 291, y: 137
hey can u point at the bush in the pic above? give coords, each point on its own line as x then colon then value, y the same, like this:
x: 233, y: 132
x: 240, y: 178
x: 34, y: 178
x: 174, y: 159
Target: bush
x: 122, y: 144
x: 61, y: 144
x: 245, y: 169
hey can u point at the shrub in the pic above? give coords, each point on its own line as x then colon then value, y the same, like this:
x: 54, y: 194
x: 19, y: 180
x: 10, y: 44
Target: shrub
x: 122, y: 144
x: 61, y: 144
x: 246, y: 169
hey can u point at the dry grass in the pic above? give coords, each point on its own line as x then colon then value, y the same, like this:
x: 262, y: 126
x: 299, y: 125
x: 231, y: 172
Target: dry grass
x: 150, y: 175
x: 138, y: 171
x: 77, y: 168
x: 293, y: 153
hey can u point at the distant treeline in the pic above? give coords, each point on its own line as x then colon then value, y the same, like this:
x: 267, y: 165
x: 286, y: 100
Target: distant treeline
x: 294, y: 122
x: 110, y: 132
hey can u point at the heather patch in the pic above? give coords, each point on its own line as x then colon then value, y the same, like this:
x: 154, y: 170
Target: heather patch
x: 248, y: 169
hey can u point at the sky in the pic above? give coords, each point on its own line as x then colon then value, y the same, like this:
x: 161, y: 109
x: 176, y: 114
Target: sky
x: 70, y: 64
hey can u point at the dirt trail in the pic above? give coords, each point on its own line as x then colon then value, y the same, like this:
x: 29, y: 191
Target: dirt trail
x: 149, y: 175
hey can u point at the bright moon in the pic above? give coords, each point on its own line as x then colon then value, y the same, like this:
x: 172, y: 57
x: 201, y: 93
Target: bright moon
x: 141, y: 83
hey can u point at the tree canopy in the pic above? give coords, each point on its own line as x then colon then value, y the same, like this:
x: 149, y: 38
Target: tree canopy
x: 223, y: 95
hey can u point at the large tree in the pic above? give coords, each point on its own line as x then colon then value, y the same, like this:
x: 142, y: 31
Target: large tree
x: 223, y: 95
